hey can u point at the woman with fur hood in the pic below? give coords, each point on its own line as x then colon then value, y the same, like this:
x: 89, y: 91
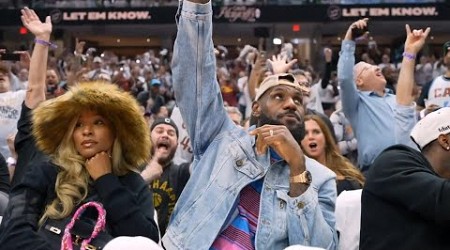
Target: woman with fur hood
x: 95, y: 138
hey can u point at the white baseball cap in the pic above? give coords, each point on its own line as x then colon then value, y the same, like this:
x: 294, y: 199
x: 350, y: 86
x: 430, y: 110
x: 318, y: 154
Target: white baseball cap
x: 97, y: 59
x: 431, y: 126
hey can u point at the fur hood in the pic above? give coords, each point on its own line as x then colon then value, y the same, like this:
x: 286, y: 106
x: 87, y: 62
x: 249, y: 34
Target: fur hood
x: 51, y: 118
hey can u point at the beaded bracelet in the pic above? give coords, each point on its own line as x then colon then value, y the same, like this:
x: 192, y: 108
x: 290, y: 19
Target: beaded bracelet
x: 46, y: 43
x: 409, y: 56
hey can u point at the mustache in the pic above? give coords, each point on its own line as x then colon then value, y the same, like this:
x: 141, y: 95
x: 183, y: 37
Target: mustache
x: 290, y: 112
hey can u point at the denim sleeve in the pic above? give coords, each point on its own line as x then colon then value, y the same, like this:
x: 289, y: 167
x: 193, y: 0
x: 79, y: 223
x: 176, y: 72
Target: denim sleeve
x: 311, y: 219
x: 194, y: 75
x: 349, y: 94
x: 406, y: 119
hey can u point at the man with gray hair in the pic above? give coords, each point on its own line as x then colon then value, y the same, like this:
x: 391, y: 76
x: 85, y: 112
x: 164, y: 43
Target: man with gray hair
x: 378, y: 117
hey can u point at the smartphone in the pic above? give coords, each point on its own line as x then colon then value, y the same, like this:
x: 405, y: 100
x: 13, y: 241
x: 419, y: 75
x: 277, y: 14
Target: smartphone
x: 10, y: 57
x: 357, y: 32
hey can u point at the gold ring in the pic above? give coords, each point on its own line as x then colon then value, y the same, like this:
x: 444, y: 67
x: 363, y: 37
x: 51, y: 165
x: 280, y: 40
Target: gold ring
x: 271, y: 132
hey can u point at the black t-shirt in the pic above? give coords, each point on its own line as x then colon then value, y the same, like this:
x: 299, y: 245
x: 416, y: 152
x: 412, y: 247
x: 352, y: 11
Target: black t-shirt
x: 347, y: 184
x: 167, y: 190
x: 404, y: 203
x: 25, y: 145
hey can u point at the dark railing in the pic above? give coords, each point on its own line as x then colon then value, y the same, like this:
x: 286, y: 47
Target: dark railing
x: 38, y: 4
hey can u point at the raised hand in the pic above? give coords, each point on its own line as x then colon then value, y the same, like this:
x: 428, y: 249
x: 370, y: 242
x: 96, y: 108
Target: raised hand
x: 31, y: 21
x: 79, y: 46
x: 25, y: 59
x: 280, y: 139
x: 360, y: 24
x: 154, y: 169
x: 328, y: 54
x: 280, y: 64
x: 259, y: 68
x: 415, y: 39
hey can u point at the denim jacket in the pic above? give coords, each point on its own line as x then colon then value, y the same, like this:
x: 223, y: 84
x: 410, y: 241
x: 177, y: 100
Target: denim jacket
x: 225, y: 160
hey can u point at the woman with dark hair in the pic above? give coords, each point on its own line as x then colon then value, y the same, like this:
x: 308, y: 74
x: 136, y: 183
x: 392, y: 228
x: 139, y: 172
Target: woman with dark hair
x: 319, y: 144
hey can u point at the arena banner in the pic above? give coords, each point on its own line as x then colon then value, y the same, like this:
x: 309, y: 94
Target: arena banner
x: 240, y: 14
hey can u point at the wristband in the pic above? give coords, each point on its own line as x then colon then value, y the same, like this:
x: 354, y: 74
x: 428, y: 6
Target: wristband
x: 409, y: 56
x: 46, y: 43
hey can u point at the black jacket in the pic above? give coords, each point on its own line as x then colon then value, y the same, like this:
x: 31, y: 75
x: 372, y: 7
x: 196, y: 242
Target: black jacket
x: 25, y: 145
x: 127, y: 200
x: 405, y: 204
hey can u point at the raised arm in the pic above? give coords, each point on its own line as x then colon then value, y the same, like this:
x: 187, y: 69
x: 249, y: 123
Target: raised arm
x: 38, y: 65
x: 194, y: 75
x: 349, y: 94
x: 280, y: 64
x: 257, y: 74
x: 327, y: 72
x: 413, y: 44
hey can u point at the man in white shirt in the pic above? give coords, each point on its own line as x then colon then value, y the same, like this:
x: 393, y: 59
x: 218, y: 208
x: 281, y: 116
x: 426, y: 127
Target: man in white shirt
x: 437, y: 92
x: 10, y: 107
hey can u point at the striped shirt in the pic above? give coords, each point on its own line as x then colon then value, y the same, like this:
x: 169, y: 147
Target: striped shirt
x: 240, y: 234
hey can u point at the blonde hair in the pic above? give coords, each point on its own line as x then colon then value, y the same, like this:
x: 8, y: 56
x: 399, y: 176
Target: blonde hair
x: 333, y: 158
x: 72, y: 181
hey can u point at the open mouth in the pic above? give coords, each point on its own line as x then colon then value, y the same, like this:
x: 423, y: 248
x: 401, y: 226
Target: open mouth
x: 163, y: 144
x: 313, y: 145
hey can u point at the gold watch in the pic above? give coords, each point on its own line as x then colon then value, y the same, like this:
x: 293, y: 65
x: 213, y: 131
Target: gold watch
x: 303, y: 178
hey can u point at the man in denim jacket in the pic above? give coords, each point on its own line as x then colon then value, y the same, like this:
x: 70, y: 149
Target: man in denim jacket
x: 228, y: 161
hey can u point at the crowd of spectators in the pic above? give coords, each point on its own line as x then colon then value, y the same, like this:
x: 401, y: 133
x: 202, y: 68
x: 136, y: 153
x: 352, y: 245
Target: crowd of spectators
x: 331, y: 119
x: 158, y: 3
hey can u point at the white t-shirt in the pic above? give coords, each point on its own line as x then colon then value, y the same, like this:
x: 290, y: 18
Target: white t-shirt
x: 348, y: 219
x: 439, y: 92
x: 10, y: 108
x: 184, y: 149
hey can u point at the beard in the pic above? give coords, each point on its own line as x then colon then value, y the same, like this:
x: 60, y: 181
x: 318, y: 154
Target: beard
x: 297, y: 129
x: 163, y: 161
